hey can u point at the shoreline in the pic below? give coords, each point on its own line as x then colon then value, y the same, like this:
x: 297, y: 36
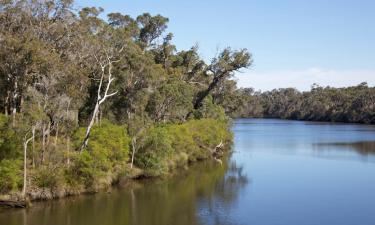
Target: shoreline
x: 47, y: 194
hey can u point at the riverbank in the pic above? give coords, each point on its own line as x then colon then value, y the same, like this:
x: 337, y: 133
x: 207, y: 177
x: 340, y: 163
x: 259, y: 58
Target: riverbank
x: 160, y: 152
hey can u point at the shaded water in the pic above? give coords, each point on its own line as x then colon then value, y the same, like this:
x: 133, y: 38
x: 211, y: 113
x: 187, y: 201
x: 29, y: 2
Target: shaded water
x: 281, y: 172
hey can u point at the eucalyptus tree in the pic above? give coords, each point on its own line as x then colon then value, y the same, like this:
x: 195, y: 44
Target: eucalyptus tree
x: 222, y: 68
x: 151, y: 27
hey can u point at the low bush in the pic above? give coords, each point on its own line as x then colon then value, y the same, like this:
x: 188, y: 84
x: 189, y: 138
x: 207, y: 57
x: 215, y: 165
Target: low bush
x: 10, y: 175
x: 108, y: 148
x: 47, y: 177
x: 174, y: 145
x: 155, y: 149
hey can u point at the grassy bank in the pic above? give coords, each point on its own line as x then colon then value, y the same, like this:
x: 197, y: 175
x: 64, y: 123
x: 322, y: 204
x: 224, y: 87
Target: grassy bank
x: 159, y: 151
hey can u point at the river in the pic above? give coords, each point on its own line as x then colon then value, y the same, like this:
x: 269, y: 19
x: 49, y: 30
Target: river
x: 280, y: 173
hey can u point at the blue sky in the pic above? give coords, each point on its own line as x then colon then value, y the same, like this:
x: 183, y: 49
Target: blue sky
x: 294, y: 42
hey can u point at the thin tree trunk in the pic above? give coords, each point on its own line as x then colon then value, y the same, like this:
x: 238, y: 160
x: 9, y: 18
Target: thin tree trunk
x: 92, y: 121
x: 14, y: 103
x: 43, y: 142
x: 33, y: 150
x: 134, y: 142
x: 26, y: 141
x: 68, y: 150
x: 6, y: 104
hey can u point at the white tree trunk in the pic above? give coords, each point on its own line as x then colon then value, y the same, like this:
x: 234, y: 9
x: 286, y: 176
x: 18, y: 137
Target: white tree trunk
x: 100, y: 99
x: 88, y: 130
x: 26, y: 141
x: 134, y: 142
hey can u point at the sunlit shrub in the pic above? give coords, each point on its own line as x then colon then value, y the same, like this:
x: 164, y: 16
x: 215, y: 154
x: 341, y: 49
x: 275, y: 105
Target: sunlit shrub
x: 108, y: 147
x: 155, y: 148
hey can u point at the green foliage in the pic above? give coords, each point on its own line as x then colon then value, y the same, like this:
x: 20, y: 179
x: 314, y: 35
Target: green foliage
x: 154, y: 150
x: 171, y: 102
x: 196, y: 137
x: 351, y: 104
x: 210, y: 110
x: 47, y: 177
x: 108, y: 149
x: 52, y: 61
x: 87, y: 169
x: 107, y: 141
x: 10, y: 141
x: 174, y: 145
x: 10, y: 175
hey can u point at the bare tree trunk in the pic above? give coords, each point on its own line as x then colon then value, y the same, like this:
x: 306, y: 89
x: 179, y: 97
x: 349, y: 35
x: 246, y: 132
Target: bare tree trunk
x: 100, y: 99
x: 68, y: 150
x: 26, y: 141
x: 92, y: 121
x: 6, y: 104
x: 43, y: 143
x: 134, y: 143
x: 14, y: 103
x: 33, y: 150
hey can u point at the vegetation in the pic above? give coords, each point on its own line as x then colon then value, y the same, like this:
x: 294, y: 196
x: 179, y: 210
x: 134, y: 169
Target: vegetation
x: 85, y: 100
x: 352, y: 104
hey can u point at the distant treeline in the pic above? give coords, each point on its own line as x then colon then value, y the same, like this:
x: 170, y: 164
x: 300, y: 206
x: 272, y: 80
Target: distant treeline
x: 351, y: 104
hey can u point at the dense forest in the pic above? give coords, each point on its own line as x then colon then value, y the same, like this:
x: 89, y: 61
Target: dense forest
x: 86, y: 99
x: 352, y: 104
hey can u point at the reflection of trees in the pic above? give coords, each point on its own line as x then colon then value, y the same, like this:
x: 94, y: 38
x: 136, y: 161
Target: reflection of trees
x: 224, y: 193
x: 362, y: 147
x: 202, y: 194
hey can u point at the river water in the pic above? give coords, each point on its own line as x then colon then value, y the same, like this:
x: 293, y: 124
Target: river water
x: 280, y: 173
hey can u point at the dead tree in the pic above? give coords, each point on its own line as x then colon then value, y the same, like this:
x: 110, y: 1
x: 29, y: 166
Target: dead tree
x: 106, y: 80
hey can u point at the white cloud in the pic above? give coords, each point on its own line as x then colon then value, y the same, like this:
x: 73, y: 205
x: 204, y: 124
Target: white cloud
x: 303, y: 79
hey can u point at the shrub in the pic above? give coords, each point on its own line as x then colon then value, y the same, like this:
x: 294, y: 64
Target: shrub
x: 10, y: 142
x: 188, y: 142
x: 197, y: 136
x: 154, y: 150
x: 10, y: 175
x: 108, y: 147
x: 87, y: 169
x: 47, y: 177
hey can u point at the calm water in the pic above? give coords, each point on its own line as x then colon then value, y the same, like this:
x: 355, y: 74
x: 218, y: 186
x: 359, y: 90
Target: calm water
x: 281, y: 173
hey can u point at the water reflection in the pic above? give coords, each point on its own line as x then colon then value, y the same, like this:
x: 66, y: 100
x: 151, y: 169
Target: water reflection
x: 216, y: 208
x: 362, y: 147
x: 202, y: 195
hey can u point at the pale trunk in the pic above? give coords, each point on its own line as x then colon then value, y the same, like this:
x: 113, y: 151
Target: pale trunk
x: 43, y: 142
x: 134, y: 142
x: 68, y: 150
x: 92, y: 121
x: 25, y: 162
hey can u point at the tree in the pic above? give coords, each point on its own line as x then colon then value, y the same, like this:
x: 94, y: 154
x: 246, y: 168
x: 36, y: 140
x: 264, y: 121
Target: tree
x: 222, y: 68
x: 105, y: 80
x: 151, y: 28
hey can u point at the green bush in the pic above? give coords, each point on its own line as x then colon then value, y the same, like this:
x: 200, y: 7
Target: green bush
x: 10, y: 141
x: 197, y: 136
x: 173, y: 145
x: 47, y: 177
x: 87, y: 169
x: 10, y: 175
x: 107, y: 149
x: 155, y: 148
